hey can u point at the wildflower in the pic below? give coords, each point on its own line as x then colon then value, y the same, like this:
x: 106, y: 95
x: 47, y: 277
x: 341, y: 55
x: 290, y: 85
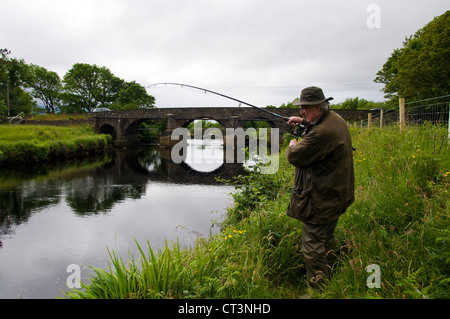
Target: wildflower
x: 413, y: 156
x: 447, y: 174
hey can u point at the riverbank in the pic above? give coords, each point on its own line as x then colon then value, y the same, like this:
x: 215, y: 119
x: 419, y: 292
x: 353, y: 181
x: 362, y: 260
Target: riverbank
x: 25, y: 145
x: 399, y: 222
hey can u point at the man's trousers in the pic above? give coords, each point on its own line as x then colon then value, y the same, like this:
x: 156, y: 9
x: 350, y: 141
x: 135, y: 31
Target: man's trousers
x: 318, y: 251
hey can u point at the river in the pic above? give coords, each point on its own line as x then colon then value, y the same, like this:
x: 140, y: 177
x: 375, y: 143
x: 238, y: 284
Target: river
x: 72, y: 213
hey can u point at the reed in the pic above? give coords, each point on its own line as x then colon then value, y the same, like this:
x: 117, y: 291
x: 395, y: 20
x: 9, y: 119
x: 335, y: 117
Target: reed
x: 399, y: 221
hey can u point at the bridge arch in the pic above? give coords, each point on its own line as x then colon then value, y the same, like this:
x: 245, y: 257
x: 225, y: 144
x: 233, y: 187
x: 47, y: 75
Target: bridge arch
x: 207, y: 118
x: 109, y: 129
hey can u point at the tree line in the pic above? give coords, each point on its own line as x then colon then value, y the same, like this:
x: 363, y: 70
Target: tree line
x: 32, y: 89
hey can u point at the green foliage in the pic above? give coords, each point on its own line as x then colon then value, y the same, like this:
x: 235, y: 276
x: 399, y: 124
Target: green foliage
x: 253, y: 191
x: 358, y: 104
x: 133, y: 96
x: 401, y: 209
x: 89, y: 86
x: 14, y: 74
x: 84, y: 87
x: 46, y: 86
x: 421, y: 68
x: 28, y: 145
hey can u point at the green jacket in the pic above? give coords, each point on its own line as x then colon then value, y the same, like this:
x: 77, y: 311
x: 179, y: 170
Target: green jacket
x: 324, y: 176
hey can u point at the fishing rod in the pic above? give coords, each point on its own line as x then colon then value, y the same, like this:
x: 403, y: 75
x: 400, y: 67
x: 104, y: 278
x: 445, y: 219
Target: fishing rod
x: 296, y: 133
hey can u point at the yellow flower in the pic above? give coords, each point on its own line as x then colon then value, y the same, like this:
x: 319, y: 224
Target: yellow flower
x: 447, y: 173
x: 413, y: 156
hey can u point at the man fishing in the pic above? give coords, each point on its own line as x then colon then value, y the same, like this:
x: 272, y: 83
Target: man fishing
x: 324, y: 180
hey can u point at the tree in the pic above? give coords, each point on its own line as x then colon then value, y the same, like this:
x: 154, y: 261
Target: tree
x: 108, y: 87
x: 89, y: 86
x: 14, y: 74
x: 46, y: 86
x: 421, y: 68
x: 133, y: 96
x: 82, y: 87
x: 358, y: 104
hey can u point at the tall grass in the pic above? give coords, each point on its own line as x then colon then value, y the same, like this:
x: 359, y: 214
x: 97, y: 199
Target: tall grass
x: 399, y: 221
x: 400, y: 218
x: 29, y: 144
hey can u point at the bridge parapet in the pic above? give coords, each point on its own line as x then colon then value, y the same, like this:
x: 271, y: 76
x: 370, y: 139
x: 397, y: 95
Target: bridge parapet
x: 123, y: 125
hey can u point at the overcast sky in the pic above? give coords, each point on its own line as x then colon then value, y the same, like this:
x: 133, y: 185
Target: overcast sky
x: 259, y: 51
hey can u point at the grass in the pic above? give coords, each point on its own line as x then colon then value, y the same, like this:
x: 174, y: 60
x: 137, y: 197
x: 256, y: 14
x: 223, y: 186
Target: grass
x: 399, y: 221
x: 28, y: 144
x: 58, y: 117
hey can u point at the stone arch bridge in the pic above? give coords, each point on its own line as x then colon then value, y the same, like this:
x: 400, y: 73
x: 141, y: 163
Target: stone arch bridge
x: 123, y: 125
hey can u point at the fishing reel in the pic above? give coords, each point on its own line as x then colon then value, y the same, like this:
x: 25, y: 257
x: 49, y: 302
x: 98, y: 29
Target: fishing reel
x: 299, y: 130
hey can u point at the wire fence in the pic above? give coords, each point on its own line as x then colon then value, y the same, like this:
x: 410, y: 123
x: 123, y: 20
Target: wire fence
x: 427, y: 111
x: 436, y: 113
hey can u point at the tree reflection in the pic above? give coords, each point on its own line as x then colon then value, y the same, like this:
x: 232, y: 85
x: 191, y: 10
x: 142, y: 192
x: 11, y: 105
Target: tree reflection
x: 95, y: 187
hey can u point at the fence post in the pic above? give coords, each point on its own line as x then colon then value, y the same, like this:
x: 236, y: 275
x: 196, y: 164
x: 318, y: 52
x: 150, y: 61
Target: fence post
x: 381, y: 118
x: 448, y: 123
x: 369, y: 120
x: 401, y: 102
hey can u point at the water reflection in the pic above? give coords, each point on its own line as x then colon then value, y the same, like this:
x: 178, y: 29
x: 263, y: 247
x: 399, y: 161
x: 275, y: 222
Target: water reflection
x: 92, y: 187
x: 205, y: 155
x: 51, y: 217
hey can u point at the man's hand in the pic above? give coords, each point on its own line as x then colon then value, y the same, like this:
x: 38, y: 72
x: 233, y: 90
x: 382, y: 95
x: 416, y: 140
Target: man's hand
x: 293, y: 142
x: 294, y: 120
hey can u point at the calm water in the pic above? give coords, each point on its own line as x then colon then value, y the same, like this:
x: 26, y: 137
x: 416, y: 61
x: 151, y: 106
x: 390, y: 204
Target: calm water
x: 51, y: 218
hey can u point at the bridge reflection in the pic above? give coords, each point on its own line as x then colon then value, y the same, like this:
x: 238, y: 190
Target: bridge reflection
x: 156, y: 164
x: 91, y: 187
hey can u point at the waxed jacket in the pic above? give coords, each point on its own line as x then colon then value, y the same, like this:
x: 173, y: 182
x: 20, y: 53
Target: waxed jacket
x: 324, y: 175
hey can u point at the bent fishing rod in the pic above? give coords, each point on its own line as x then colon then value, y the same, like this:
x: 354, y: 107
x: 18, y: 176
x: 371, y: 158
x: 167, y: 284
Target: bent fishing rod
x: 296, y: 133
